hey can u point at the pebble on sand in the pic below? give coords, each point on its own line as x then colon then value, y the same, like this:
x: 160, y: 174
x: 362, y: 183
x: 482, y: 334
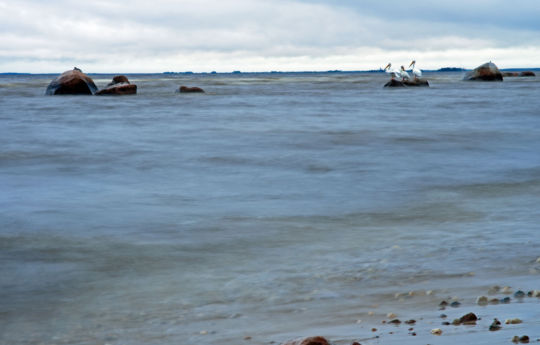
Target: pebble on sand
x: 482, y: 300
x: 506, y: 290
x: 308, y: 341
x: 494, y: 290
x: 523, y: 339
x: 436, y: 331
x: 495, y: 325
x: 519, y: 294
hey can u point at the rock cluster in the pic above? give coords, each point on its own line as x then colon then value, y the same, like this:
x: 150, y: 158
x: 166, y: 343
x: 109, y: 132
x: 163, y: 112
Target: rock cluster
x: 119, y: 85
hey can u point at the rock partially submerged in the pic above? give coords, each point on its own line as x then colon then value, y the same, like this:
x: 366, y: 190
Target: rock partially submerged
x: 405, y: 83
x: 519, y: 74
x: 394, y: 83
x: 119, y: 85
x: 416, y: 82
x: 486, y: 72
x: 308, y: 341
x: 187, y: 89
x: 73, y: 82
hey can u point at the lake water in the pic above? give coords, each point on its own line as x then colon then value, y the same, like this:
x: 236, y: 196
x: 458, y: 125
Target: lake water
x: 271, y: 206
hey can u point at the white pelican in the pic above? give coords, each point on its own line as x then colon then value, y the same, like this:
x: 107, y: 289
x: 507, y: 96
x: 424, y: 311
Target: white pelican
x: 417, y: 72
x: 404, y: 74
x: 391, y: 70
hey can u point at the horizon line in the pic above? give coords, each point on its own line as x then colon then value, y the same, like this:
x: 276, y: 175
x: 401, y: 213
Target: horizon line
x: 442, y: 69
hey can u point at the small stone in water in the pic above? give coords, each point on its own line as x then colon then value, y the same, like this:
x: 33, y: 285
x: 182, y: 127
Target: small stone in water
x: 371, y: 313
x: 443, y: 316
x: 203, y: 332
x: 519, y: 294
x: 495, y: 325
x: 494, y: 301
x: 395, y: 322
x: 391, y: 315
x: 429, y: 292
x: 456, y: 322
x: 506, y: 290
x: 446, y: 323
x: 505, y: 300
x: 469, y: 318
x: 443, y: 304
x: 513, y: 321
x: 482, y: 300
x: 247, y: 337
x: 436, y: 331
x: 455, y: 304
x: 374, y: 329
x: 524, y: 339
x: 410, y: 322
x: 494, y: 290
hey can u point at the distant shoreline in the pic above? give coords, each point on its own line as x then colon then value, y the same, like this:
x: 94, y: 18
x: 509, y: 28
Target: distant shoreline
x: 440, y: 70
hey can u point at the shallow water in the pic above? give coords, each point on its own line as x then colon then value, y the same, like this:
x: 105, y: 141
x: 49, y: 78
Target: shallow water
x: 271, y: 205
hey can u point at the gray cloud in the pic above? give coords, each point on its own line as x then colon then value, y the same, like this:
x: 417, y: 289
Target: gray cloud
x: 205, y: 35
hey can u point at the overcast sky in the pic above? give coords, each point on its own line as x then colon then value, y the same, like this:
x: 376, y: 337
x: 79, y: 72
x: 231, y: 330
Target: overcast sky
x: 264, y: 35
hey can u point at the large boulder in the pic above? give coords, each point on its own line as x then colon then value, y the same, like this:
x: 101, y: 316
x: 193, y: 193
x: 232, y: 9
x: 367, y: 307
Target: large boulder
x: 187, y: 89
x: 119, y: 85
x: 485, y: 72
x: 308, y: 341
x: 73, y: 82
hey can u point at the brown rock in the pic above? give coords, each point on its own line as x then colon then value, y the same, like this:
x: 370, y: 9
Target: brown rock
x: 527, y: 74
x: 416, y: 82
x: 469, y: 318
x: 308, y: 341
x: 118, y: 79
x: 187, y: 89
x: 118, y: 89
x: 510, y: 74
x: 486, y: 72
x: 73, y: 82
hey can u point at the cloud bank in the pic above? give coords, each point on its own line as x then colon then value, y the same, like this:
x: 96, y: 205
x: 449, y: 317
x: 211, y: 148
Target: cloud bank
x: 257, y: 35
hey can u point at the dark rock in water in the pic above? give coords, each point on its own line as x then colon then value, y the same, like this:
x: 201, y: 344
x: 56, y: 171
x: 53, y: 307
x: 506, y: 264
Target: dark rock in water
x: 455, y: 304
x: 416, y: 82
x: 187, y: 89
x: 495, y: 325
x: 505, y: 300
x: 395, y: 321
x: 519, y: 294
x: 119, y: 85
x: 469, y: 318
x: 410, y: 322
x: 72, y: 82
x: 118, y: 89
x: 524, y: 339
x: 510, y: 74
x: 394, y: 83
x: 117, y: 79
x: 308, y: 341
x: 527, y: 74
x: 443, y: 304
x: 485, y: 72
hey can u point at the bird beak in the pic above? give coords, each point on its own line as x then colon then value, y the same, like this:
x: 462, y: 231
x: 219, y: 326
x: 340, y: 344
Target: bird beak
x: 412, y: 63
x: 387, y: 66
